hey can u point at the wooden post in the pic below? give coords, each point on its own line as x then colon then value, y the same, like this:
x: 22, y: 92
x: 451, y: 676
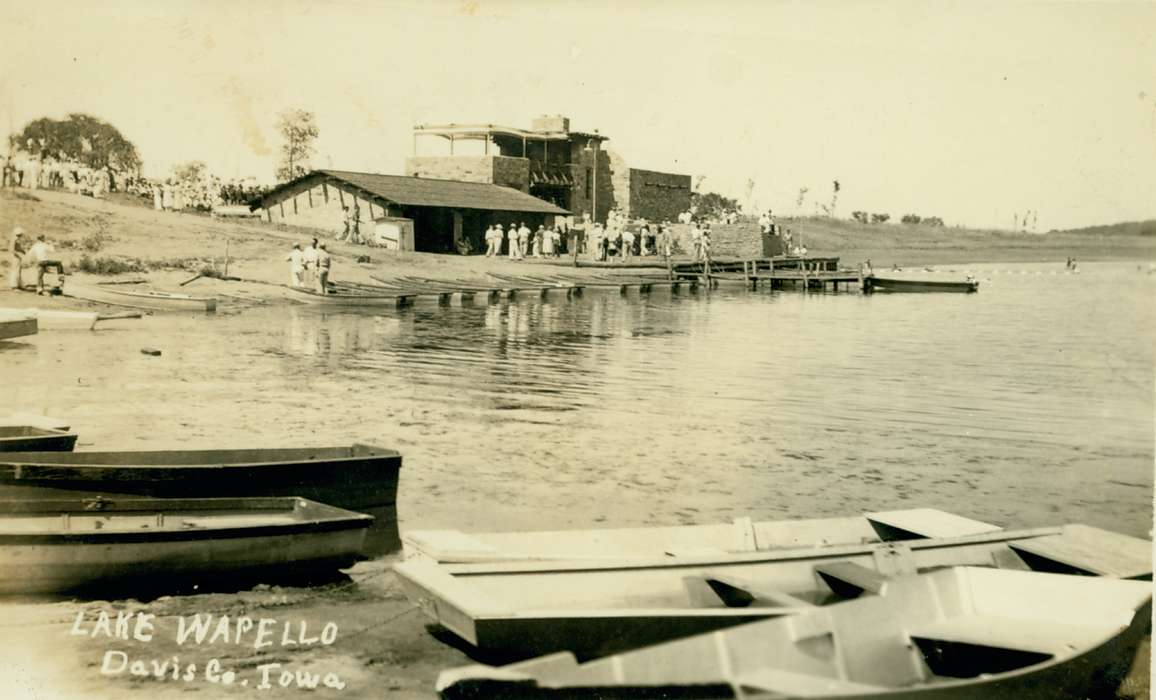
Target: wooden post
x: 226, y: 257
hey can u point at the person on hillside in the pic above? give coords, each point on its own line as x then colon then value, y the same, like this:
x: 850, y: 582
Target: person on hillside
x: 158, y: 199
x: 309, y: 257
x: 296, y: 265
x: 41, y: 256
x: 355, y: 224
x: 16, y: 252
x: 167, y: 196
x: 696, y: 240
x: 324, y: 261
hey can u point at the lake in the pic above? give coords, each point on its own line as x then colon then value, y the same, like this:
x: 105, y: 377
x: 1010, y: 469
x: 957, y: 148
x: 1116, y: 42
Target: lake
x: 1029, y: 403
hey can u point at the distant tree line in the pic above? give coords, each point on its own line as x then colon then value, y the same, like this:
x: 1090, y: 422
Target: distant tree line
x: 865, y: 218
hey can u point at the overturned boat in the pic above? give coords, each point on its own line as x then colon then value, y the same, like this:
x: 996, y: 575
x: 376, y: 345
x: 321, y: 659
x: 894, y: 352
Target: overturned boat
x: 959, y: 634
x: 29, y: 438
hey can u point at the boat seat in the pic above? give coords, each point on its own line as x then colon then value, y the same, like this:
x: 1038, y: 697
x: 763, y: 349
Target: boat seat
x: 804, y: 685
x: 740, y: 593
x: 1088, y: 550
x: 849, y: 580
x: 1039, y: 636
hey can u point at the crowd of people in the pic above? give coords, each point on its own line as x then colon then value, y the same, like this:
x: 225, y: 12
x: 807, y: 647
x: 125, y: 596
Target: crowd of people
x: 200, y: 193
x: 521, y: 242
x: 309, y: 268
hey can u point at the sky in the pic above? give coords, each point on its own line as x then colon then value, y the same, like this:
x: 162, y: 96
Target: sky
x: 971, y: 111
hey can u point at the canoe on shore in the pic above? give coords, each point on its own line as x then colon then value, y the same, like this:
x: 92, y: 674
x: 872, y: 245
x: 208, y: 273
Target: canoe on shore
x: 882, y: 284
x: 17, y: 326
x: 160, y: 301
x: 958, y: 634
x: 590, y: 607
x: 742, y: 535
x: 28, y: 438
x: 56, y: 320
x: 60, y: 546
x: 358, y: 477
x: 34, y: 420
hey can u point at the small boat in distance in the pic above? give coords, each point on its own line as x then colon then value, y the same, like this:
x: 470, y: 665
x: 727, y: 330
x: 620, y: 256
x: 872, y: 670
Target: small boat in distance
x: 27, y: 438
x: 17, y: 326
x: 884, y: 284
x: 61, y: 546
x: 160, y: 301
x: 954, y: 634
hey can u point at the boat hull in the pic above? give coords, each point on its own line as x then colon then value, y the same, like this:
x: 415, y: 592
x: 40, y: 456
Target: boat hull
x: 54, y: 320
x: 17, y: 327
x: 78, y: 544
x: 957, y: 634
x: 344, y: 299
x: 515, y: 608
x: 881, y: 284
x: 32, y: 439
x: 360, y: 478
x: 158, y: 301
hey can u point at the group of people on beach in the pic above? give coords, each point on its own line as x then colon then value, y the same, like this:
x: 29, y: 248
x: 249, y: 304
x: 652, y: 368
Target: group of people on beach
x: 309, y: 268
x: 23, y: 253
x: 521, y: 242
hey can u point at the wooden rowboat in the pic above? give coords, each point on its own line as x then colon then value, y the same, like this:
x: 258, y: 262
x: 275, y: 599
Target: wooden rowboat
x: 348, y: 298
x: 161, y: 301
x: 742, y: 535
x: 359, y: 477
x: 53, y: 319
x: 591, y: 607
x: 958, y: 634
x: 881, y: 284
x: 23, y: 438
x: 53, y: 546
x: 17, y: 326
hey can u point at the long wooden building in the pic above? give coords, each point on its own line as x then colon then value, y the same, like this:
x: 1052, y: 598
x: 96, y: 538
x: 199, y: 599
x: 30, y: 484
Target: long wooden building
x: 407, y: 213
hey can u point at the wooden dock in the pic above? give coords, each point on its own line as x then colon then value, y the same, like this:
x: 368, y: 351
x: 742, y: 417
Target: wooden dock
x: 799, y: 272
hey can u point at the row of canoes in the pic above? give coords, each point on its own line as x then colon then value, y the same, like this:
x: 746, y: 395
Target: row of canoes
x: 76, y: 521
x: 916, y: 603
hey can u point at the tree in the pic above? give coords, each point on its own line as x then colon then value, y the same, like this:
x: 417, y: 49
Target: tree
x: 880, y: 218
x: 80, y: 138
x: 299, y: 129
x: 911, y: 219
x: 933, y: 221
x: 712, y: 205
x: 191, y: 171
x: 860, y: 216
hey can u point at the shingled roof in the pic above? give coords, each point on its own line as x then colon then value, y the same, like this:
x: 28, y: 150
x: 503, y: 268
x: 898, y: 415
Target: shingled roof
x: 427, y: 192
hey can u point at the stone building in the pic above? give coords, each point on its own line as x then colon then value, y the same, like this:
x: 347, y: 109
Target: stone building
x: 568, y: 168
x: 413, y: 213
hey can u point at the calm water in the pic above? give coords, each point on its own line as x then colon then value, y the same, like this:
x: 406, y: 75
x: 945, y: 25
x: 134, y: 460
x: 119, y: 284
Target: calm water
x: 1028, y: 403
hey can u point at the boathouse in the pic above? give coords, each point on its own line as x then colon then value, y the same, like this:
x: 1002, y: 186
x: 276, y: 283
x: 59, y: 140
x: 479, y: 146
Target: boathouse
x: 404, y: 212
x: 572, y: 169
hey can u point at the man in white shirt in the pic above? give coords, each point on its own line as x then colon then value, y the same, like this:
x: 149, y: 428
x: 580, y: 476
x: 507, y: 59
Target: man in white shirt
x: 627, y: 243
x: 512, y: 242
x: 16, y: 258
x: 323, y: 262
x: 40, y: 255
x: 296, y: 265
x: 310, y: 259
x: 489, y: 237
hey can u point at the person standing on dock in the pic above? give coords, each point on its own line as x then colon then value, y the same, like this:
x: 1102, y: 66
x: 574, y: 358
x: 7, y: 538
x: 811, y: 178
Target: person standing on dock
x: 550, y: 242
x: 512, y: 243
x: 40, y: 255
x: 523, y: 240
x: 296, y: 266
x: 323, y: 262
x: 16, y: 258
x: 627, y: 244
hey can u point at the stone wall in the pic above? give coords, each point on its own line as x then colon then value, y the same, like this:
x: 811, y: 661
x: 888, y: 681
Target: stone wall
x: 498, y: 170
x: 581, y: 198
x: 656, y: 196
x: 732, y: 241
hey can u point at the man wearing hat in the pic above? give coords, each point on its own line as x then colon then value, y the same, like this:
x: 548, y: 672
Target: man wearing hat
x: 323, y: 261
x: 16, y: 258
